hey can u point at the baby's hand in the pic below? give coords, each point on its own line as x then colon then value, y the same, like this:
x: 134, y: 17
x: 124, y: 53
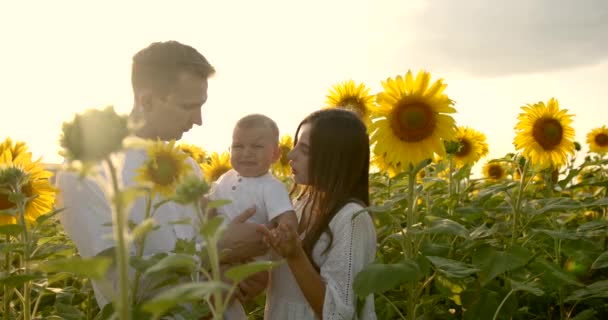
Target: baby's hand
x: 284, y: 240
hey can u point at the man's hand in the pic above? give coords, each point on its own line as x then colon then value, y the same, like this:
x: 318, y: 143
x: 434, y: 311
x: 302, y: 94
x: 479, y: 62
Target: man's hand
x: 241, y: 240
x: 253, y: 286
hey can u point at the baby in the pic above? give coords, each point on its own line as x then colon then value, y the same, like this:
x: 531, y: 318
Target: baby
x: 255, y: 147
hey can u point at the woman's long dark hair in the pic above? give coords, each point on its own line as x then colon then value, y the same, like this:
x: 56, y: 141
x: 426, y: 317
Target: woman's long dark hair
x: 338, y: 170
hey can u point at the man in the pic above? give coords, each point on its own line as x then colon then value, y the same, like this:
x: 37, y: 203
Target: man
x: 169, y: 82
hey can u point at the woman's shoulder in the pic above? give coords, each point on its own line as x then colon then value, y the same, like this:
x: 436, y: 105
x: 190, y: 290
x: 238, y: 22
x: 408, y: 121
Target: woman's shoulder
x: 349, y: 211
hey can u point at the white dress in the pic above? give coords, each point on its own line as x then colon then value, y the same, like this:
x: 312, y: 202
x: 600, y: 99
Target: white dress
x: 353, y: 247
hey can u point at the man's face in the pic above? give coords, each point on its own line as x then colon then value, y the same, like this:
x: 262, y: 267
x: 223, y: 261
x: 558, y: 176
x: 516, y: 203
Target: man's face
x: 253, y: 151
x: 171, y: 115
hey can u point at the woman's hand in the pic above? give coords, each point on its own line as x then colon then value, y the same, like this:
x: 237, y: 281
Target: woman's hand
x: 284, y: 240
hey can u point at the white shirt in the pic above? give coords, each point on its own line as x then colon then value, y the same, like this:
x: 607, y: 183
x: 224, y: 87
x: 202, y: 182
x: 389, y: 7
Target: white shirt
x: 353, y: 247
x: 87, y: 218
x: 267, y: 193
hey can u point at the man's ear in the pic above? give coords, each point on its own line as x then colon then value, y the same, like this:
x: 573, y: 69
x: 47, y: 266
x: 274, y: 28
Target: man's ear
x: 147, y: 101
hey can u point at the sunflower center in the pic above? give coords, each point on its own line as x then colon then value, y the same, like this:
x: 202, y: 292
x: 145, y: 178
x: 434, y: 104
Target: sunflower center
x: 495, y: 172
x: 601, y: 140
x: 165, y: 171
x: 465, y: 148
x: 548, y: 133
x: 413, y: 122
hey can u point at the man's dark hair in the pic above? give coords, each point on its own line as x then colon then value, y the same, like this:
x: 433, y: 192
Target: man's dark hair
x: 157, y: 66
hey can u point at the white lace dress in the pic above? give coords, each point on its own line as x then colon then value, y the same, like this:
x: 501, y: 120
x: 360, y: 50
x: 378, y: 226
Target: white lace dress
x: 353, y: 247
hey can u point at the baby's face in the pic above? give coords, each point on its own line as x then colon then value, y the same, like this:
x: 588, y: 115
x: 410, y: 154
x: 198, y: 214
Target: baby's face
x: 253, y: 151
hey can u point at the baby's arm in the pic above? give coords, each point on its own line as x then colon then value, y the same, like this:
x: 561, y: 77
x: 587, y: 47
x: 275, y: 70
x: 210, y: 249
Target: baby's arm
x: 286, y: 218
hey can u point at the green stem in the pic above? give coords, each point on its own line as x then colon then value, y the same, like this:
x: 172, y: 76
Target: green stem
x: 451, y: 184
x: 518, y: 201
x: 27, y: 303
x: 502, y: 302
x: 217, y: 309
x: 410, y: 239
x: 122, y: 252
x: 393, y: 305
x: 216, y: 274
x: 7, y: 291
x: 141, y: 243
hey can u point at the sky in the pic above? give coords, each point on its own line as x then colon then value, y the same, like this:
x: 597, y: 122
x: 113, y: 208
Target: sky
x: 280, y: 58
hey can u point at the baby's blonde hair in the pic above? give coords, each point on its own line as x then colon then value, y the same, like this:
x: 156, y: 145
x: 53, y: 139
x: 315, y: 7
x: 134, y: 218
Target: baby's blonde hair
x: 257, y: 120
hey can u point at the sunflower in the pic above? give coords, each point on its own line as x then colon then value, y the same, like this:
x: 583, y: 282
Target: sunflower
x: 494, y: 171
x: 15, y: 150
x: 351, y: 96
x: 282, y: 167
x: 598, y: 140
x: 195, y: 152
x: 164, y: 168
x: 217, y: 166
x: 410, y: 121
x: 379, y: 162
x: 545, y: 135
x: 473, y: 146
x: 36, y: 186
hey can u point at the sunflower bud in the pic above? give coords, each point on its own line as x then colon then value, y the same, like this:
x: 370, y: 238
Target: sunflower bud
x: 93, y: 135
x: 452, y: 147
x: 190, y: 190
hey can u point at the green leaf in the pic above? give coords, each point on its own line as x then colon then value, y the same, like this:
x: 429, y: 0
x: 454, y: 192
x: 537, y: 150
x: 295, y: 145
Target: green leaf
x: 217, y: 203
x: 381, y: 277
x: 585, y: 315
x: 452, y: 268
x: 174, y: 261
x: 8, y: 247
x: 556, y: 204
x: 213, y: 227
x: 421, y: 165
x: 11, y: 229
x: 598, y: 289
x: 479, y: 303
x: 601, y: 261
x: 94, y: 268
x: 69, y: 312
x: 493, y: 263
x: 530, y: 287
x: 18, y: 280
x: 552, y: 275
x: 447, y: 226
x: 143, y: 228
x: 186, y: 292
x: 43, y: 218
x: 243, y: 271
x: 563, y: 235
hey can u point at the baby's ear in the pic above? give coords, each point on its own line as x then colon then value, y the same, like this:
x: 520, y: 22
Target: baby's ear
x: 276, y: 153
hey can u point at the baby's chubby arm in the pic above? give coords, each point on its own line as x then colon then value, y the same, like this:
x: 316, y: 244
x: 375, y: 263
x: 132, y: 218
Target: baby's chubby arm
x: 286, y: 218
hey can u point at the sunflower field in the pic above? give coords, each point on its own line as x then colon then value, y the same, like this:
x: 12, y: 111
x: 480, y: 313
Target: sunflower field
x: 525, y: 240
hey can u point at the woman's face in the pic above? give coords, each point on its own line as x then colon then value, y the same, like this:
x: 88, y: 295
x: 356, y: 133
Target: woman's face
x: 299, y: 155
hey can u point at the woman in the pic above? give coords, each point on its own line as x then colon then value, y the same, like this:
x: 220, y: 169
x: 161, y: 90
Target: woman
x: 335, y: 239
